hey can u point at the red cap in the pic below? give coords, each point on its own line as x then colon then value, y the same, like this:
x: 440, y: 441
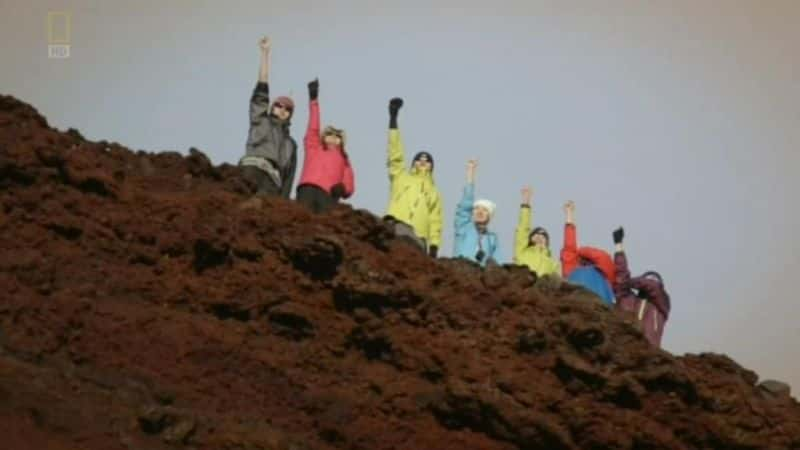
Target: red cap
x: 285, y: 101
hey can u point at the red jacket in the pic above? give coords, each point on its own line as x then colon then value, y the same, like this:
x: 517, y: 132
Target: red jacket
x: 571, y: 256
x: 323, y: 167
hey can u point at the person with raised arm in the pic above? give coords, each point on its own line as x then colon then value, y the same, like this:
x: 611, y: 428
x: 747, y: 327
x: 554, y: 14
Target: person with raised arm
x: 415, y: 203
x: 532, y: 247
x: 327, y: 175
x: 270, y: 159
x: 473, y: 239
x: 643, y: 296
x: 589, y: 267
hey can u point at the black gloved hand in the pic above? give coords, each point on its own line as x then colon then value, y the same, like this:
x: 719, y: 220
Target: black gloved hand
x: 338, y: 191
x: 618, y: 235
x: 433, y: 251
x: 394, y: 105
x: 313, y: 89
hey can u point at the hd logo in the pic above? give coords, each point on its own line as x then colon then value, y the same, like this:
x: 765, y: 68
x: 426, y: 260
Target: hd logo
x: 59, y: 27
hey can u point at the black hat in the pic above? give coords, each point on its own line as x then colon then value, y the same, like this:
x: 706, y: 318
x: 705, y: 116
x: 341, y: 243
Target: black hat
x: 426, y: 155
x: 539, y: 230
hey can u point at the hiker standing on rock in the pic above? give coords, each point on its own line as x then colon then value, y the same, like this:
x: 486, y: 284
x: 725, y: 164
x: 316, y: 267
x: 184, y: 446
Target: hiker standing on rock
x: 327, y: 175
x: 532, y: 247
x: 473, y: 239
x: 415, y: 204
x: 644, y: 296
x: 589, y: 267
x: 270, y: 158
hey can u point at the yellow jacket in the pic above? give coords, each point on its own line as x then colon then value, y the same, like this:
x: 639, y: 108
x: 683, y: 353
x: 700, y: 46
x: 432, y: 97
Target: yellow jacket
x: 414, y: 199
x: 538, y: 259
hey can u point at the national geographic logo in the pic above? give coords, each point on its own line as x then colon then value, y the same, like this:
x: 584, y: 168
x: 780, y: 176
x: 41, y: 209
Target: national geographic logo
x: 59, y: 28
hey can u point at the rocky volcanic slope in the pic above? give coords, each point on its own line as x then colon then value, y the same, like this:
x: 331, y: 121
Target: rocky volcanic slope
x: 142, y: 308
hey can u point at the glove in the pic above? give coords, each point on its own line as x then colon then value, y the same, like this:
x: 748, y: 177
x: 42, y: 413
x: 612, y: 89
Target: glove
x: 618, y: 234
x: 394, y: 105
x: 313, y: 89
x: 338, y: 191
x: 433, y: 251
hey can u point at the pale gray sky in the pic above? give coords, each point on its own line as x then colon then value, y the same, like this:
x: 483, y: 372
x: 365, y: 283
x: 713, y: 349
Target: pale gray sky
x: 678, y: 119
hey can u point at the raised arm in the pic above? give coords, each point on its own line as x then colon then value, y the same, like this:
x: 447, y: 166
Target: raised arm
x: 523, y: 223
x: 396, y: 156
x: 464, y: 207
x: 312, y: 132
x: 265, y: 44
x: 259, y: 102
x: 569, y: 252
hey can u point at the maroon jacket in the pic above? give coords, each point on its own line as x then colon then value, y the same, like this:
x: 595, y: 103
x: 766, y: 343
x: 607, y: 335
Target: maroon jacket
x: 652, y: 304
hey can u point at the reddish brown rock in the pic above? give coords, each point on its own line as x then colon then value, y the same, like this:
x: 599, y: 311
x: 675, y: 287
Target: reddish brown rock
x: 143, y: 308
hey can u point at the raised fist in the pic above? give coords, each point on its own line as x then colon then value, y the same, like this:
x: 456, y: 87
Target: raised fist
x: 313, y: 89
x: 527, y: 194
x: 618, y: 235
x: 265, y: 43
x: 394, y: 105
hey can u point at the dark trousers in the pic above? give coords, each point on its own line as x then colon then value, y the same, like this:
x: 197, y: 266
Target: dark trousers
x: 315, y: 198
x: 263, y: 182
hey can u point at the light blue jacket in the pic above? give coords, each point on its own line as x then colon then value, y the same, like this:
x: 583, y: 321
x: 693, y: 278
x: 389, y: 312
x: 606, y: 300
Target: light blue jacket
x: 468, y: 240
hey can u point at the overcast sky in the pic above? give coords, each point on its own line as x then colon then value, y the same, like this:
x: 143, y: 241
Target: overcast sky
x: 678, y: 119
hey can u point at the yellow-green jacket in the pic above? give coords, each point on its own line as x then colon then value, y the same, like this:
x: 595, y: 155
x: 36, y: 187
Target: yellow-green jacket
x: 537, y: 259
x: 414, y: 199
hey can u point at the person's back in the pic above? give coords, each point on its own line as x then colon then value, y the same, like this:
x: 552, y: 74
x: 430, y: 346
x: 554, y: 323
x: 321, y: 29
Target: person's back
x: 588, y: 266
x: 414, y: 198
x: 644, y: 296
x: 532, y: 247
x: 654, y: 306
x: 593, y: 279
x: 473, y: 239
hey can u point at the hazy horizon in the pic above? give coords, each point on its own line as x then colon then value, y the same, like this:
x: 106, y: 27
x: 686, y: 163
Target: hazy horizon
x: 678, y: 120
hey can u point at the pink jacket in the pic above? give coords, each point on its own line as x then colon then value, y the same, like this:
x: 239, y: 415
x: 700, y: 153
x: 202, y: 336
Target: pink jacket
x: 323, y: 167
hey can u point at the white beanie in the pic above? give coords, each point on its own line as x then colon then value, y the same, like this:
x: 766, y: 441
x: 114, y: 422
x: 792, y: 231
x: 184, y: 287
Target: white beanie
x: 487, y: 205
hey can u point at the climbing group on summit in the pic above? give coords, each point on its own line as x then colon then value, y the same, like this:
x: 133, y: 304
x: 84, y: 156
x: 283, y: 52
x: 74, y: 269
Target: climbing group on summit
x: 415, y: 210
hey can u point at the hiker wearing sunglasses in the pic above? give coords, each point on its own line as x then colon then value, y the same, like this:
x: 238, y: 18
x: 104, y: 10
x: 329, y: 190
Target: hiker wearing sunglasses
x: 589, y: 267
x: 532, y: 247
x: 270, y: 159
x: 415, y: 204
x: 473, y: 239
x: 643, y: 296
x: 327, y: 175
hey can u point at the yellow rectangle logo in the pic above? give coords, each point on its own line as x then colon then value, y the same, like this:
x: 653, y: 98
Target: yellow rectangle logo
x: 59, y: 27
